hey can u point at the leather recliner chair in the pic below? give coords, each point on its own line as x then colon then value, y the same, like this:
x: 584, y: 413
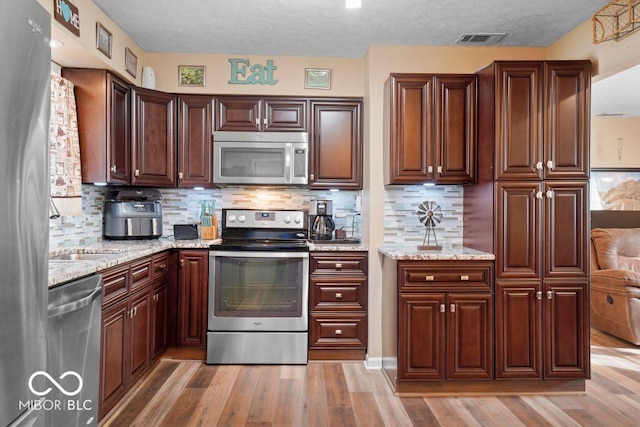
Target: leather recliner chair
x: 615, y: 282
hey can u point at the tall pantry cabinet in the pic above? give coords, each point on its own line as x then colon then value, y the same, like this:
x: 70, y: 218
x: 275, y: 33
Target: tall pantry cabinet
x: 530, y: 209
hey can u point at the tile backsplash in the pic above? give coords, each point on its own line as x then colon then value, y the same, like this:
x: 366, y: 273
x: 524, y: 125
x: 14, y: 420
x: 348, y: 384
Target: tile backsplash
x: 181, y: 206
x: 401, y: 223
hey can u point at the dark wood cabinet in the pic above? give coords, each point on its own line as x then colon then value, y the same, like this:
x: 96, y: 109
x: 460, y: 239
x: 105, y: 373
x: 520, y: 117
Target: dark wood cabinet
x: 338, y: 305
x: 114, y: 363
x: 160, y: 302
x: 432, y: 129
x: 445, y: 320
x: 335, y: 159
x: 153, y: 142
x: 193, y: 296
x: 103, y: 103
x: 140, y: 319
x: 534, y: 116
x: 195, y: 147
x: 245, y: 113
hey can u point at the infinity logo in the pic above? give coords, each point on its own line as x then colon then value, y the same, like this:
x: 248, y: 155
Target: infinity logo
x: 62, y: 389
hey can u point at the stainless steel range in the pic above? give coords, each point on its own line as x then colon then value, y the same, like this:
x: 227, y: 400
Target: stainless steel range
x: 258, y: 289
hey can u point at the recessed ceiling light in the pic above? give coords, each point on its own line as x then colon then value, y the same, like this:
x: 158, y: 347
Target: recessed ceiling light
x: 55, y: 43
x: 353, y: 4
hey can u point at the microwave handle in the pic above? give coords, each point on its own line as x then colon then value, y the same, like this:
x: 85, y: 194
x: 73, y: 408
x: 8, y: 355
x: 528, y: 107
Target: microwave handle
x: 288, y: 163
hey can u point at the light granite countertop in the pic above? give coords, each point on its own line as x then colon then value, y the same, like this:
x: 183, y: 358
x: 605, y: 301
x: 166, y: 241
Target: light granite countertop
x: 446, y: 253
x: 123, y: 251
x: 116, y: 252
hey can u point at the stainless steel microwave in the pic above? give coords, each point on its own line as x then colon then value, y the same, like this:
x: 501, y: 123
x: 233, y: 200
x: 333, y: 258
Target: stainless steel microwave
x: 260, y: 158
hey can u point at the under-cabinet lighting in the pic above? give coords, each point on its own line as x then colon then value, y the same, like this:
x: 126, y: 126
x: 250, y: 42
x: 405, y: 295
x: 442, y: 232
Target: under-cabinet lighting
x: 353, y: 4
x: 428, y: 184
x: 334, y: 190
x: 100, y: 184
x: 198, y: 188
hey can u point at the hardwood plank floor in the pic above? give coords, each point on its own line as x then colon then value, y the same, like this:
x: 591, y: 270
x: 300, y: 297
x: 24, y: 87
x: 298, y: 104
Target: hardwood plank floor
x: 189, y: 393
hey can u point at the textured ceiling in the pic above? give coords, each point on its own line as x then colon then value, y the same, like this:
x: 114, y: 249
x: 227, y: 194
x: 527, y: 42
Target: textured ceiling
x: 327, y: 28
x: 617, y: 95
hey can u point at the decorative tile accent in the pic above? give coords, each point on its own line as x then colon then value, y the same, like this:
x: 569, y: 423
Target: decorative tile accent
x: 180, y: 206
x: 401, y: 224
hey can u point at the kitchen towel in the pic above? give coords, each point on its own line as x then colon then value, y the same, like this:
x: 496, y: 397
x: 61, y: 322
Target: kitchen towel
x: 65, y: 173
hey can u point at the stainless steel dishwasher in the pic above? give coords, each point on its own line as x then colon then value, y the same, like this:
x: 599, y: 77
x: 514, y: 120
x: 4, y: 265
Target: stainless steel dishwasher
x: 73, y: 352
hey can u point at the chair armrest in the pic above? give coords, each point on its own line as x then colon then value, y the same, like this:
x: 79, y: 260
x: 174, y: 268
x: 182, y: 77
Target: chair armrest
x: 615, y: 279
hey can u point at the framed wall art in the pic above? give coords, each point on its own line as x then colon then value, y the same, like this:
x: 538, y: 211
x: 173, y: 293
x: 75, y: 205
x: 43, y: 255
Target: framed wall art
x: 130, y: 62
x: 104, y: 39
x: 615, y: 189
x: 317, y: 78
x: 191, y: 75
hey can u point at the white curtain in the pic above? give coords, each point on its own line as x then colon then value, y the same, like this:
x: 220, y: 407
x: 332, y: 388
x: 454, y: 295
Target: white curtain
x: 66, y: 176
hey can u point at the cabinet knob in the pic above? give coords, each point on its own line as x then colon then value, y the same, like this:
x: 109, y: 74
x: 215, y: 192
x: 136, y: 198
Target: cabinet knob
x: 549, y: 294
x: 539, y: 166
x: 136, y: 172
x: 440, y: 170
x: 442, y: 308
x: 464, y: 277
x: 257, y: 122
x: 338, y: 266
x: 539, y: 295
x: 182, y: 263
x: 539, y: 195
x: 180, y: 175
x: 264, y: 121
x: 549, y: 194
x: 429, y: 169
x: 163, y: 266
x: 114, y: 169
x: 550, y: 164
x: 429, y: 278
x: 452, y: 308
x: 338, y: 332
x: 338, y: 295
x: 311, y: 177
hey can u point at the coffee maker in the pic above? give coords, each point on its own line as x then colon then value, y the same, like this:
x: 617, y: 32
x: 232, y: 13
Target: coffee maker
x: 321, y: 223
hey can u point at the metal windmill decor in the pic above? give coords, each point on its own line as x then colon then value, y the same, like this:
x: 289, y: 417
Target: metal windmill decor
x: 429, y: 214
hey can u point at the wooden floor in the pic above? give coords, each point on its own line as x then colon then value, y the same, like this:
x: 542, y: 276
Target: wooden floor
x: 190, y: 393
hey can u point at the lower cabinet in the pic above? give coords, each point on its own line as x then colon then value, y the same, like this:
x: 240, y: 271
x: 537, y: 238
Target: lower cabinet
x: 192, y: 297
x: 133, y: 331
x: 445, y: 321
x: 338, y: 306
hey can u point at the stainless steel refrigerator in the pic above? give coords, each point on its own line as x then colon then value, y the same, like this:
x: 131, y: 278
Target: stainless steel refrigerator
x: 25, y: 59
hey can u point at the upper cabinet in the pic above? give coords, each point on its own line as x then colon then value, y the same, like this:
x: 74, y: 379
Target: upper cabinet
x: 541, y: 117
x: 103, y: 104
x: 336, y: 144
x: 431, y: 129
x: 244, y: 113
x: 153, y: 138
x: 195, y: 151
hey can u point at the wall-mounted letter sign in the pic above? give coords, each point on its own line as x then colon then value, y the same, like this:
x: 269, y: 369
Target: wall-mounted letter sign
x: 243, y: 73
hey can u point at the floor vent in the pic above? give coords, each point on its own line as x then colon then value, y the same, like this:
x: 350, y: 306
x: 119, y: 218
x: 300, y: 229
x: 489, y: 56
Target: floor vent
x: 480, y: 38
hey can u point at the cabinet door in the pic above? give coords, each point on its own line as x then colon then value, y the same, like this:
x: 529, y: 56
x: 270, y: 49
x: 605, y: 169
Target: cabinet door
x: 140, y: 319
x: 159, y: 319
x: 470, y: 336
x: 336, y: 145
x: 238, y: 113
x: 192, y: 310
x: 518, y: 329
x: 119, y: 135
x: 455, y: 126
x: 566, y: 119
x: 566, y: 229
x: 518, y: 119
x: 195, y: 152
x: 114, y: 363
x: 567, y: 350
x: 154, y: 139
x: 410, y: 153
x: 421, y: 336
x: 285, y: 115
x: 519, y: 230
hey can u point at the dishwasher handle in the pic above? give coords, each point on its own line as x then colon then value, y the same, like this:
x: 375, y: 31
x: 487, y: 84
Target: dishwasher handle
x: 75, y: 305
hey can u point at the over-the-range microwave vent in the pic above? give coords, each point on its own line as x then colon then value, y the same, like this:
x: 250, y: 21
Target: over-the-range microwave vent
x: 480, y: 38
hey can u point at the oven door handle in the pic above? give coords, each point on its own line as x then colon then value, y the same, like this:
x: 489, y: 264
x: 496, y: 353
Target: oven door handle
x: 258, y: 254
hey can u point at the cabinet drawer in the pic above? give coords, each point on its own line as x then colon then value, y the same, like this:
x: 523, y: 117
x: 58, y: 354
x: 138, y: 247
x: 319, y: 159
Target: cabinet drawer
x: 339, y: 263
x: 115, y: 283
x: 338, y: 293
x: 141, y: 273
x: 160, y: 265
x: 338, y: 331
x: 453, y: 275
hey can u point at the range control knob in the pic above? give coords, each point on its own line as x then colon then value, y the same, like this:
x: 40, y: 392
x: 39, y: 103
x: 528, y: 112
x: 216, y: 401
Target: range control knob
x: 232, y: 218
x: 287, y: 219
x: 298, y: 219
x: 242, y: 218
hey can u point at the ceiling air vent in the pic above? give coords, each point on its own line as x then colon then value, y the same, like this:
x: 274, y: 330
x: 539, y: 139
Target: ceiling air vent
x: 480, y: 38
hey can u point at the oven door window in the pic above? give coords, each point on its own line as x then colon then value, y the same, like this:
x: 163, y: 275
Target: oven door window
x: 258, y: 287
x: 248, y: 162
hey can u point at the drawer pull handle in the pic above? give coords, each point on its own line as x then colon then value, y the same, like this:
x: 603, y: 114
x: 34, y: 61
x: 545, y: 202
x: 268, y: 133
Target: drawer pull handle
x: 464, y: 277
x: 338, y: 331
x: 429, y: 278
x: 338, y: 295
x: 338, y: 265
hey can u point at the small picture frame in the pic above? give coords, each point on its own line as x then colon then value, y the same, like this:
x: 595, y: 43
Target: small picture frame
x: 191, y: 75
x: 130, y: 62
x: 104, y: 39
x: 317, y: 78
